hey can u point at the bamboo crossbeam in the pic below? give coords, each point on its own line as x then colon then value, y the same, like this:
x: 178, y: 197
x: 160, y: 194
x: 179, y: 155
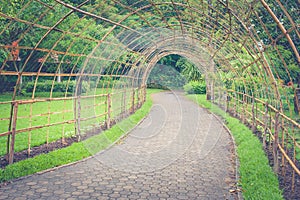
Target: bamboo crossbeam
x: 37, y: 127
x: 5, y: 134
x: 37, y: 100
x: 4, y: 119
x: 45, y: 114
x: 14, y: 73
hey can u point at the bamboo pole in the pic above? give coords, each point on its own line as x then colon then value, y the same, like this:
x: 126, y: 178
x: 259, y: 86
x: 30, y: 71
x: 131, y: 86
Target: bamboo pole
x: 63, y: 118
x: 138, y: 97
x: 29, y: 133
x: 13, y: 134
x: 275, y: 144
x: 78, y: 119
x: 13, y: 73
x: 282, y: 28
x: 108, y: 121
x: 283, y: 138
x: 265, y: 125
x: 253, y: 114
x: 48, y: 119
x: 290, y: 161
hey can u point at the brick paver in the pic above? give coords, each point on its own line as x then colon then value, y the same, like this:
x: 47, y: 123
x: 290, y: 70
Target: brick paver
x: 179, y: 151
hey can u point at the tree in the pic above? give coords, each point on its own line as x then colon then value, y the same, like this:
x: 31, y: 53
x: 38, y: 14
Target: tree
x: 188, y: 70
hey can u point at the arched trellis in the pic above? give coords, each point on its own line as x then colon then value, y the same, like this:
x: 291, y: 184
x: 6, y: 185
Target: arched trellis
x: 98, y: 54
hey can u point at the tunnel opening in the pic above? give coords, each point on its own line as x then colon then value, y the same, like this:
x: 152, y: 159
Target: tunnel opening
x: 175, y: 72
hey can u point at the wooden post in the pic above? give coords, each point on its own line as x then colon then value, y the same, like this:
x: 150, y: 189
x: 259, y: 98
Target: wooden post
x: 283, y: 138
x: 271, y: 127
x: 139, y: 97
x: 253, y: 115
x: 108, y: 121
x: 265, y: 124
x: 13, y: 134
x: 78, y: 120
x: 75, y: 114
x: 275, y: 143
x: 29, y: 133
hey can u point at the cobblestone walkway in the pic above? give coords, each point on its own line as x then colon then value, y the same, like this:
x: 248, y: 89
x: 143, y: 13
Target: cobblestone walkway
x: 179, y: 151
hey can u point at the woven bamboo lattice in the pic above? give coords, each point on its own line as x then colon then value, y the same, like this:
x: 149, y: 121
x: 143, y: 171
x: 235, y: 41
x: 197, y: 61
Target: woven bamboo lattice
x: 99, y: 54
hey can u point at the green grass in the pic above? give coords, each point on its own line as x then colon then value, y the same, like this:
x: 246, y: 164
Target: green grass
x: 76, y: 151
x: 38, y: 136
x: 40, y: 117
x: 257, y: 179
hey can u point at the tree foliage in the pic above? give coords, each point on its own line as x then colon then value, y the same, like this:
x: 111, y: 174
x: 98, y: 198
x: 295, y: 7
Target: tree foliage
x: 63, y: 37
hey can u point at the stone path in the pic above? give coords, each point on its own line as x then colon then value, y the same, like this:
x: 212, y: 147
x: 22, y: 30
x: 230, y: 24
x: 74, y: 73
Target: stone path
x: 179, y: 151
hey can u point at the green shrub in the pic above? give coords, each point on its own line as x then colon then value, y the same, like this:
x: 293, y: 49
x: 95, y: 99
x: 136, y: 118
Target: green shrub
x: 156, y: 86
x: 110, y: 83
x: 46, y: 86
x: 29, y: 87
x: 70, y: 86
x: 7, y: 83
x: 195, y: 87
x: 165, y: 77
x: 92, y: 84
x: 105, y: 84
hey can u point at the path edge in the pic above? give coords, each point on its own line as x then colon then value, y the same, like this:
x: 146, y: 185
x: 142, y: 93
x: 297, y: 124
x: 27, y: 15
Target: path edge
x: 237, y: 162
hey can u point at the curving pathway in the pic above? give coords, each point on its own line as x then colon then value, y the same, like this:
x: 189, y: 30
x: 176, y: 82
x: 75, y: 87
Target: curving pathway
x: 179, y: 151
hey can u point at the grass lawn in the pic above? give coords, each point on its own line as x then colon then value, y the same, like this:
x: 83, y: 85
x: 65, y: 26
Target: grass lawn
x: 43, y: 113
x: 257, y: 178
x: 77, y: 151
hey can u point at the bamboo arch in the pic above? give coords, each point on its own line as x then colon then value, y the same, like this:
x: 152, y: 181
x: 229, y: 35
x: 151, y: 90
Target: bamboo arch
x: 98, y: 53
